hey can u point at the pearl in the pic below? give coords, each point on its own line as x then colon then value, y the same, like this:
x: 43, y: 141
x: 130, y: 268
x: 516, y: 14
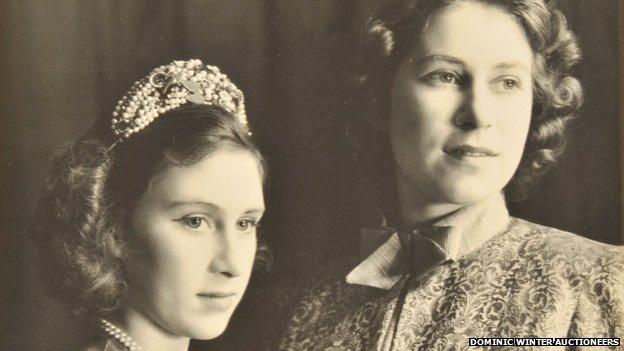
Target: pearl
x: 118, y: 334
x: 146, y: 100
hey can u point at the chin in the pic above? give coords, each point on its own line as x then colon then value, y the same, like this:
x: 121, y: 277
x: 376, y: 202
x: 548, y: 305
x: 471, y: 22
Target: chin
x: 208, y: 330
x: 469, y: 191
x: 208, y: 334
x: 204, y: 327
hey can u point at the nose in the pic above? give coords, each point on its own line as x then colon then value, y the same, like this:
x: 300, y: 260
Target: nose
x: 475, y: 111
x: 229, y: 260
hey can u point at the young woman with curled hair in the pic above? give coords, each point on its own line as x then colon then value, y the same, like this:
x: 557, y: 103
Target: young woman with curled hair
x: 148, y: 230
x: 466, y: 102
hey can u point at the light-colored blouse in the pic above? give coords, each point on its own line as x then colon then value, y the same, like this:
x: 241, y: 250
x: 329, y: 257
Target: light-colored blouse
x: 476, y: 273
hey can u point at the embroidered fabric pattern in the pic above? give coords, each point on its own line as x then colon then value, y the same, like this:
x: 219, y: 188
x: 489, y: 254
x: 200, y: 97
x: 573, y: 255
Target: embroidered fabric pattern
x: 529, y: 281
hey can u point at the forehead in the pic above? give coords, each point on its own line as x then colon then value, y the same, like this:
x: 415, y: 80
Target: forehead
x: 230, y: 179
x: 474, y: 31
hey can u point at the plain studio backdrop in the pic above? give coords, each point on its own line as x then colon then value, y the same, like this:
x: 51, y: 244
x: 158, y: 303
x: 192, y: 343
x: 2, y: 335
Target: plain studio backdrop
x: 66, y: 62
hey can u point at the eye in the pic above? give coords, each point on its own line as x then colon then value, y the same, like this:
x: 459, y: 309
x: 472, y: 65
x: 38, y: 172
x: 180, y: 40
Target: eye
x: 508, y: 84
x: 246, y: 224
x: 439, y: 78
x: 192, y: 222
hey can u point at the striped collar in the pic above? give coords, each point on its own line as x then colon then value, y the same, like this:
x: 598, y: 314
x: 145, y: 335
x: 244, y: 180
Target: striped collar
x: 454, y: 236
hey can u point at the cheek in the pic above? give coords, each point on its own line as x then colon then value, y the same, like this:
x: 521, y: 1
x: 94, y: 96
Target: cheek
x: 423, y: 120
x: 172, y: 260
x: 516, y: 122
x: 436, y: 106
x: 247, y: 250
x: 417, y: 106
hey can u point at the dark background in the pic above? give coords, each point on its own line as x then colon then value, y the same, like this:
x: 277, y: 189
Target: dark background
x: 63, y: 63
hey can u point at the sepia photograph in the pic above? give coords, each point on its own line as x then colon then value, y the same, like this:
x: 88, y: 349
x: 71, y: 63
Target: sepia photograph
x: 311, y: 175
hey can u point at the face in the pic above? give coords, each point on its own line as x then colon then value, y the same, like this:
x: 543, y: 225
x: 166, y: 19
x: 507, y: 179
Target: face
x: 195, y: 233
x: 461, y: 105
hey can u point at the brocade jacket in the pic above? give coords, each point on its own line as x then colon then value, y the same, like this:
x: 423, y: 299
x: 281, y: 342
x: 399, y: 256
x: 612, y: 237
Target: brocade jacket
x: 475, y: 273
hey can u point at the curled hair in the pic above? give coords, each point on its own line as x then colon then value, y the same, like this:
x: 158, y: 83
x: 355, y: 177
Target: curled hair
x: 91, y: 189
x: 79, y: 249
x: 395, y: 27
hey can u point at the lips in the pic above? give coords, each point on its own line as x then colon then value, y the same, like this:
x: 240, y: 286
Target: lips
x: 215, y: 295
x: 469, y: 151
x: 219, y: 301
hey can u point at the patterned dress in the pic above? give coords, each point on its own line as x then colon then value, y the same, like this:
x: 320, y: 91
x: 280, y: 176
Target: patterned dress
x: 520, y: 279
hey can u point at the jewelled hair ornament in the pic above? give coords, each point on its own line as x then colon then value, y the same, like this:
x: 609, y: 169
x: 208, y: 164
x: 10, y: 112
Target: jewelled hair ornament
x: 171, y: 86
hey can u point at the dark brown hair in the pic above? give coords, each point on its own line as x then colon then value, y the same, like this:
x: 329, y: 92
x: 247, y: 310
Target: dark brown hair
x: 91, y: 190
x: 394, y: 28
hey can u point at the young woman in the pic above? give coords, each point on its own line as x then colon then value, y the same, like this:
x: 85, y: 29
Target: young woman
x: 148, y: 224
x: 468, y: 101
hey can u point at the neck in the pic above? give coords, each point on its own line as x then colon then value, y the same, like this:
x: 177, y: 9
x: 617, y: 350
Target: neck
x: 417, y: 208
x: 146, y: 333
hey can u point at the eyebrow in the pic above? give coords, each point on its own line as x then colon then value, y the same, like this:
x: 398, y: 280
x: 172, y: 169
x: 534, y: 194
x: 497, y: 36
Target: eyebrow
x: 209, y: 205
x: 508, y: 65
x: 212, y: 207
x: 255, y: 211
x: 455, y: 61
x: 438, y: 57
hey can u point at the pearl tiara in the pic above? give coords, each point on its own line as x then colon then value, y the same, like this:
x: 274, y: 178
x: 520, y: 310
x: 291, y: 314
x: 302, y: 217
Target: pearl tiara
x: 171, y: 86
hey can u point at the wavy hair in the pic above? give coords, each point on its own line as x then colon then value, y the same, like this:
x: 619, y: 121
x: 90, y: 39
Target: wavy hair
x: 90, y: 191
x: 394, y: 28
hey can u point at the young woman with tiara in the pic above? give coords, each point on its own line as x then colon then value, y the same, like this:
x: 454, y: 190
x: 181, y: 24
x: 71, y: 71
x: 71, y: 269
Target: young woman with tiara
x: 467, y: 103
x: 148, y: 224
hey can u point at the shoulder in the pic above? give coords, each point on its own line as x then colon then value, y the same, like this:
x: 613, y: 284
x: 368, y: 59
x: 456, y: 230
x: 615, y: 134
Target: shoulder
x: 560, y: 241
x: 273, y: 306
x: 328, y: 294
x: 570, y: 272
x: 327, y: 284
x: 562, y: 250
x: 290, y: 289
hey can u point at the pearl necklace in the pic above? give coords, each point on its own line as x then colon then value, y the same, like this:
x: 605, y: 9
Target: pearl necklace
x: 119, y: 334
